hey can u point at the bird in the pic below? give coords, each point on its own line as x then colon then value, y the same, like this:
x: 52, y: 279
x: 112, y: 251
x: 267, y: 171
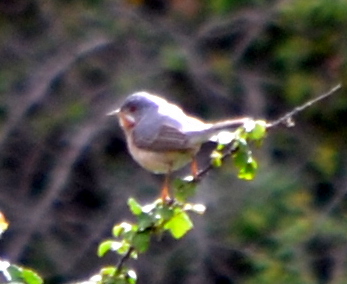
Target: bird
x: 161, y: 137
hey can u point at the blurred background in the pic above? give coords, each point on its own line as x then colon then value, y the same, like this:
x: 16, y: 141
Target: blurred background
x: 65, y: 173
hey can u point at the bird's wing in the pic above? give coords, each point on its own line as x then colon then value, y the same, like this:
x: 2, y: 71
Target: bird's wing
x: 163, y: 135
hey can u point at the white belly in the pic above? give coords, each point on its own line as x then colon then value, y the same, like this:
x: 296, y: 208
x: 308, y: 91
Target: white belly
x: 160, y: 162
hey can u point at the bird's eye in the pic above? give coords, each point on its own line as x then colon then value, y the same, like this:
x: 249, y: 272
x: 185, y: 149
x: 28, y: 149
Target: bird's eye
x: 132, y: 108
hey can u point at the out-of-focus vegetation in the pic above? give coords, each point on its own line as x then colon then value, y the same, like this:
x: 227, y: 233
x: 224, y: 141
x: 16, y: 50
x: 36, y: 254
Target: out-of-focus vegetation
x: 64, y: 169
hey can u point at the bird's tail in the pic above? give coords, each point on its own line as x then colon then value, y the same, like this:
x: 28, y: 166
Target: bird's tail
x: 227, y: 124
x: 215, y: 128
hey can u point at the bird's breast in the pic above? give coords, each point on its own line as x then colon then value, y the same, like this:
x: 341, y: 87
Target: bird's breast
x: 161, y: 161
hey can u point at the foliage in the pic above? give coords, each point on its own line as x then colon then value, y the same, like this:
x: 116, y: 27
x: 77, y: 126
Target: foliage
x: 14, y: 273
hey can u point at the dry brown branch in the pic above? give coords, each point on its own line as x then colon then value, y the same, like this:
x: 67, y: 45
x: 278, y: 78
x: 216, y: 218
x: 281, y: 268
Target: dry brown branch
x: 40, y: 82
x: 58, y: 178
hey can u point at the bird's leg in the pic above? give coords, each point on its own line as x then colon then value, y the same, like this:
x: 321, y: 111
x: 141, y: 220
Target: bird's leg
x: 165, y: 195
x: 194, y: 168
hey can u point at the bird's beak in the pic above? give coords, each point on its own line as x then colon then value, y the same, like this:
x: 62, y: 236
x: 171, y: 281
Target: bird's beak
x: 114, y: 112
x: 126, y: 120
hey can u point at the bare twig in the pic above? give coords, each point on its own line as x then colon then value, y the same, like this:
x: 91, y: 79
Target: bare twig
x: 231, y: 150
x: 287, y: 118
x: 124, y: 259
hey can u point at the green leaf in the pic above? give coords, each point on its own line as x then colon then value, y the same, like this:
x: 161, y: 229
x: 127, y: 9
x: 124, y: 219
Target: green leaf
x: 122, y: 248
x: 19, y: 274
x: 108, y: 271
x: 259, y: 130
x: 134, y: 206
x: 179, y: 224
x: 105, y: 246
x: 141, y: 241
x: 31, y: 277
x: 184, y: 189
x: 165, y: 212
x: 216, y: 158
x: 15, y: 272
x: 240, y: 143
x: 241, y: 157
x: 117, y: 230
x: 249, y: 170
x: 134, y: 254
x: 146, y: 220
x: 220, y: 147
x: 122, y: 228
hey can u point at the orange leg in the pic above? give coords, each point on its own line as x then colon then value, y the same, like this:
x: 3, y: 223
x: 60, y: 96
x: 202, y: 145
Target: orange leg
x: 194, y: 168
x: 165, y: 195
x: 165, y: 190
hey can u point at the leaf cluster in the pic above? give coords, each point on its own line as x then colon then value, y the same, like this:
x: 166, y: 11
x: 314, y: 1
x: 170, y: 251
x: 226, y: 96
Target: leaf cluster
x: 131, y: 239
x: 238, y: 146
x: 14, y: 273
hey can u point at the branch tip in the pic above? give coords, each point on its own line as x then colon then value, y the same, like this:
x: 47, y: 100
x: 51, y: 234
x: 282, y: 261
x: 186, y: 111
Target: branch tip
x: 287, y: 119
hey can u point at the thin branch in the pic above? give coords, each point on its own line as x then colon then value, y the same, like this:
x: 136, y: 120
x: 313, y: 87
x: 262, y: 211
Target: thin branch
x: 124, y: 259
x: 287, y: 118
x: 231, y: 150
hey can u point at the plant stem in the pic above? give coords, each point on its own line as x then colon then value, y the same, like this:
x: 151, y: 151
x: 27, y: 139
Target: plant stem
x: 123, y: 260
